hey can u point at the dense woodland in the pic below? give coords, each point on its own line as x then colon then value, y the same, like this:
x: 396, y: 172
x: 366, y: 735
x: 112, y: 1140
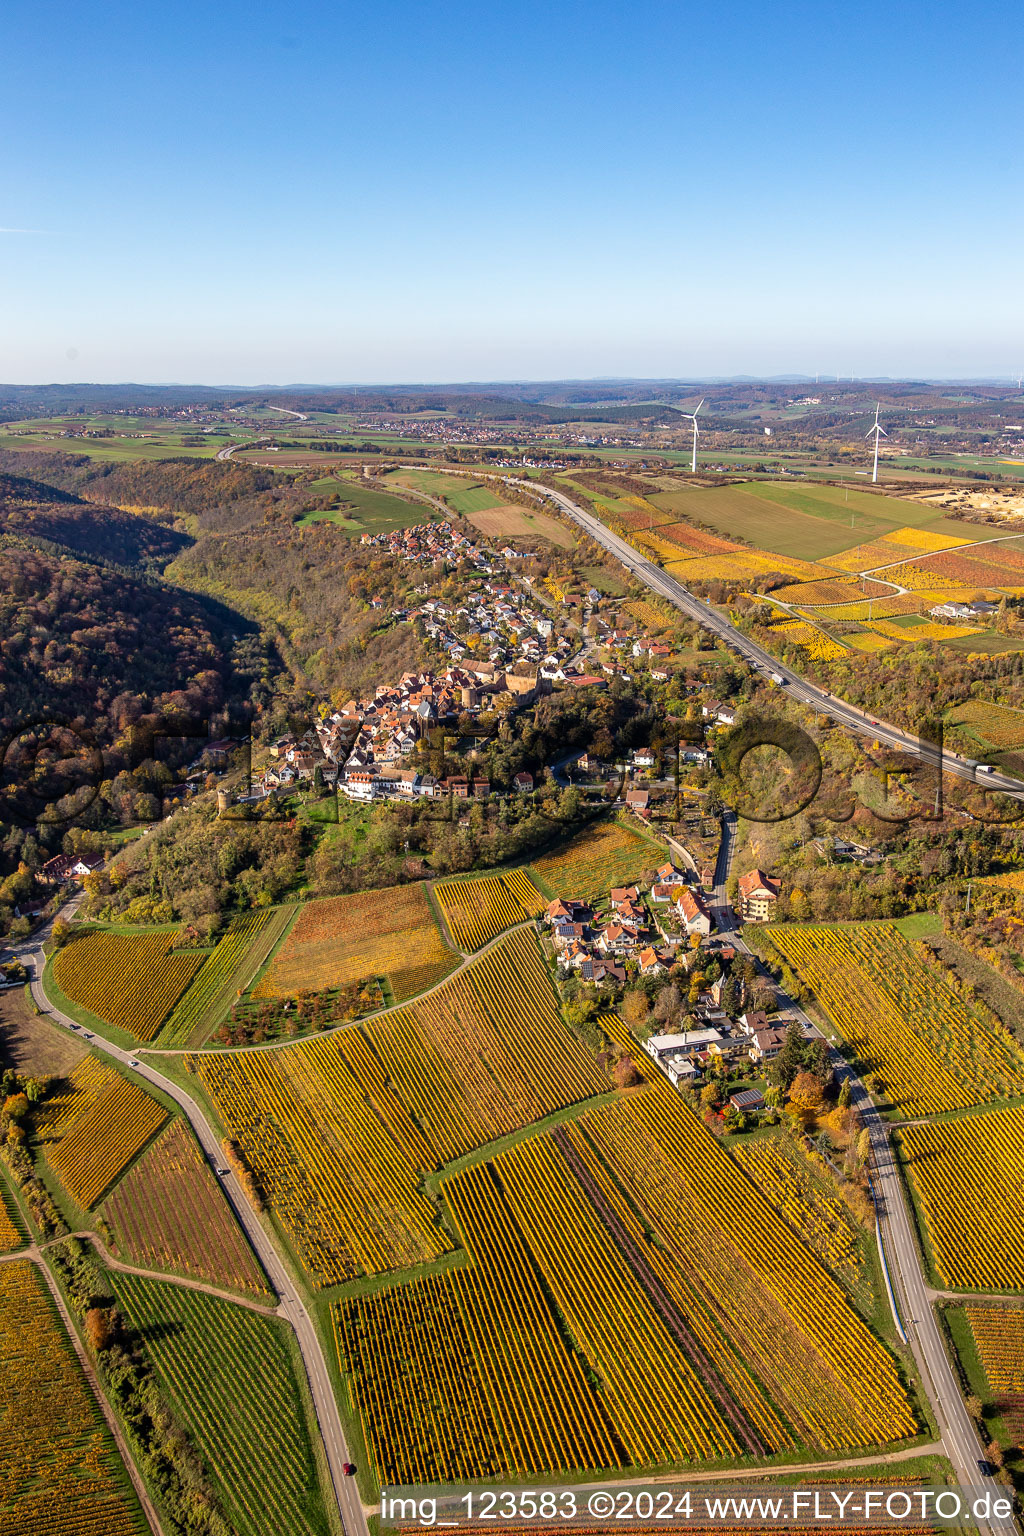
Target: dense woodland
x: 97, y: 650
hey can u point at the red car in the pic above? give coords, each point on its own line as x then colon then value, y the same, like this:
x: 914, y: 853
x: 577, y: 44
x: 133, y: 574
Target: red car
x: 348, y: 1467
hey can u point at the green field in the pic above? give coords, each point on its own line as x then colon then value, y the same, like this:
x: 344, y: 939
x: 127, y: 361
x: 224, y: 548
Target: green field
x: 798, y: 521
x: 603, y: 581
x: 361, y: 509
x: 986, y: 643
x: 231, y: 1377
x: 806, y: 521
x: 111, y: 448
x: 464, y: 495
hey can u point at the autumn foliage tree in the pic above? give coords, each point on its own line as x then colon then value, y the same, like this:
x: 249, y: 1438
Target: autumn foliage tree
x: 98, y: 1330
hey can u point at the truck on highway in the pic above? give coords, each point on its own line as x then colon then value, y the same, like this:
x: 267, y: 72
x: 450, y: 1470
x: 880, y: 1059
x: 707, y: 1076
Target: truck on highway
x: 778, y: 680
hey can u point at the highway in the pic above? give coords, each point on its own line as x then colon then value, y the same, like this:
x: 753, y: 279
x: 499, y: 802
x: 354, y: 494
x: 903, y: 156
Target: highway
x: 761, y: 660
x: 290, y: 1307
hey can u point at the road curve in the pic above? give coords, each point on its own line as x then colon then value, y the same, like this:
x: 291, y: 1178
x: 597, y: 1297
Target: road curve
x: 291, y: 1308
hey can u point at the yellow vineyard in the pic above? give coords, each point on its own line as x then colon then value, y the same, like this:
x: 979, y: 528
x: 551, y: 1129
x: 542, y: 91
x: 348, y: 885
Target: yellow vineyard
x: 908, y: 1028
x: 96, y: 1129
x: 466, y: 1375
x: 969, y: 1177
x: 477, y: 910
x: 819, y: 646
x: 59, y: 1471
x: 339, y: 1131
x: 999, y: 1338
x: 821, y: 1219
x: 10, y: 1237
x: 130, y: 980
x: 604, y: 855
x: 723, y: 1336
x: 347, y: 939
x: 921, y: 539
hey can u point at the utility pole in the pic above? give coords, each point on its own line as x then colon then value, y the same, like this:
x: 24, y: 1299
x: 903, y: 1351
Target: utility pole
x: 968, y: 906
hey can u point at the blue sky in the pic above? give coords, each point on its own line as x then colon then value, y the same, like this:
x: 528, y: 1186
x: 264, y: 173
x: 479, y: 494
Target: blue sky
x: 403, y: 192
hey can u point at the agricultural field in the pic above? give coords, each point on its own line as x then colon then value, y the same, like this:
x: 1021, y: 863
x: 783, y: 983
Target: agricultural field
x: 679, y: 541
x: 477, y: 910
x: 817, y: 644
x: 687, y: 1348
x: 998, y: 1335
x: 515, y: 522
x: 225, y: 975
x: 601, y: 856
x: 968, y: 1175
x: 826, y: 590
x: 805, y: 522
x: 229, y: 1374
x: 909, y: 1030
x: 353, y: 939
x: 131, y: 981
x: 868, y: 641
x: 828, y: 1377
x: 990, y: 725
x: 463, y: 494
x: 365, y: 510
x: 11, y: 1234
x: 88, y: 1081
x: 645, y: 613
x: 60, y: 1473
x: 989, y: 1340
x: 338, y: 1131
x: 805, y: 1203
x: 33, y: 1045
x: 169, y: 1213
x: 603, y: 581
x: 95, y: 1127
x: 910, y: 628
x: 743, y: 565
x: 987, y: 643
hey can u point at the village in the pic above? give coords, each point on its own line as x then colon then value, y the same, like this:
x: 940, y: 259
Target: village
x: 505, y: 644
x: 666, y: 930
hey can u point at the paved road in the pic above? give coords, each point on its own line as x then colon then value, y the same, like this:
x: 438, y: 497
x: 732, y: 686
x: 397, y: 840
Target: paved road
x: 913, y: 1311
x: 721, y: 911
x: 291, y: 1308
x: 680, y: 597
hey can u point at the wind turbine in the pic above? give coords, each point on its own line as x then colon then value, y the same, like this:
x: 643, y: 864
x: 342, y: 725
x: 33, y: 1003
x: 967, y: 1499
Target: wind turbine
x: 692, y: 416
x: 876, y: 431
